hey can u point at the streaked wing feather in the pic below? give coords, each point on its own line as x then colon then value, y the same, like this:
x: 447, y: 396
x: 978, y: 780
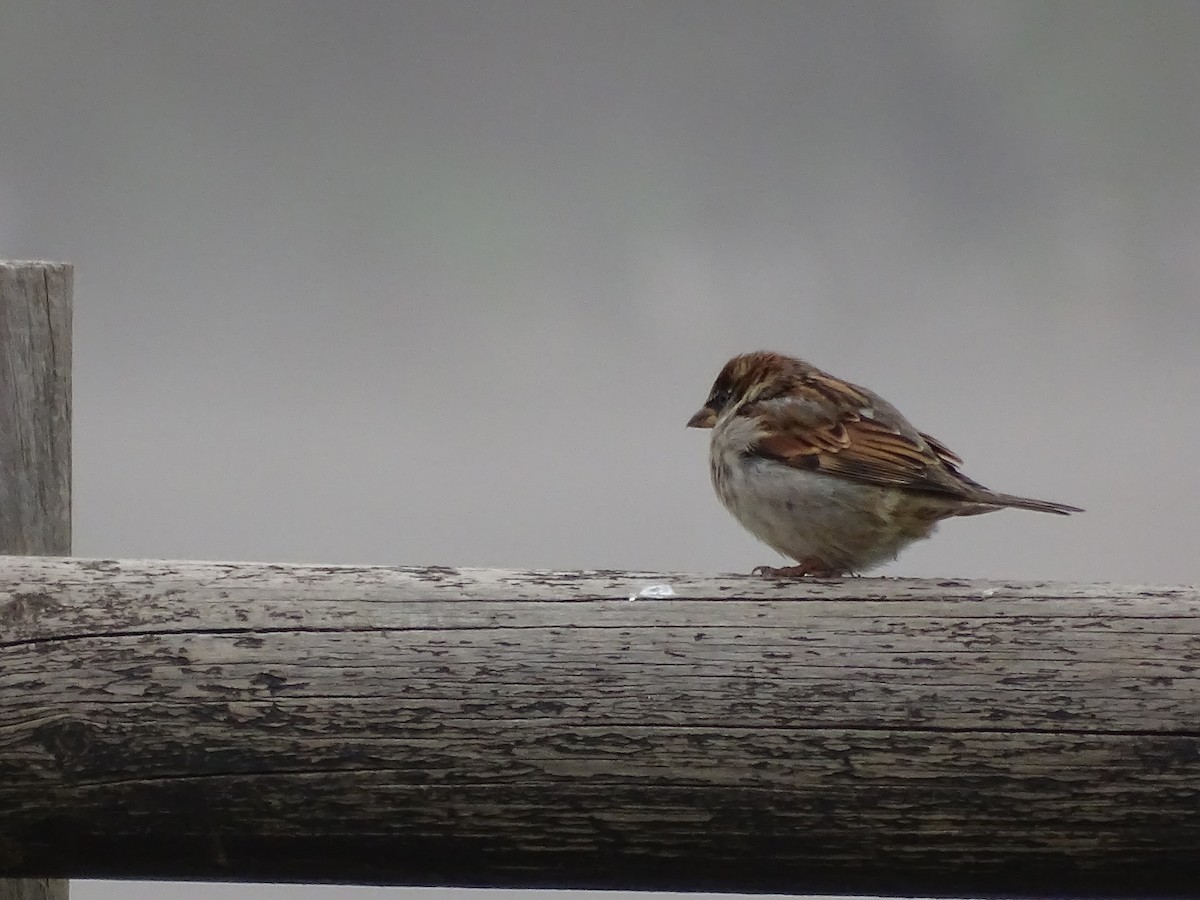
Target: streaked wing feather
x: 945, y: 453
x: 833, y: 427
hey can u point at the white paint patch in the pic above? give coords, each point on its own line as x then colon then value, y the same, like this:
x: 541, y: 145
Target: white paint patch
x: 654, y: 590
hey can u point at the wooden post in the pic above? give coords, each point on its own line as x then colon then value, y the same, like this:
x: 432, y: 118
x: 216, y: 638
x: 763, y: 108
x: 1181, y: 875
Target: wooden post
x: 35, y: 439
x: 453, y: 727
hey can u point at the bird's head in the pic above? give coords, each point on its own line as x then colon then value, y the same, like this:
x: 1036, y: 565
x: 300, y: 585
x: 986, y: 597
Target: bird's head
x: 747, y: 378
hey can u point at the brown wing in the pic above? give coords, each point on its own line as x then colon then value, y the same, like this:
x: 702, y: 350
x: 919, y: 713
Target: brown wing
x: 825, y: 424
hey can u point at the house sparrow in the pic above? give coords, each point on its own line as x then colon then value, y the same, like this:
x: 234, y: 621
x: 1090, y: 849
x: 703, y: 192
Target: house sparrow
x: 829, y: 473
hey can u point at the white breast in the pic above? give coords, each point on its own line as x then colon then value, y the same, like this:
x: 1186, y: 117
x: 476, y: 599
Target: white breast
x: 844, y: 524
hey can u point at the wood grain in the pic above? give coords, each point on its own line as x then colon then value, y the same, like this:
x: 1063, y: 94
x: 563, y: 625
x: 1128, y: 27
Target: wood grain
x: 35, y: 440
x: 515, y: 728
x: 35, y: 407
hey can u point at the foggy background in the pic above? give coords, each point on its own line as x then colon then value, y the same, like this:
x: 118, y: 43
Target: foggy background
x: 440, y: 282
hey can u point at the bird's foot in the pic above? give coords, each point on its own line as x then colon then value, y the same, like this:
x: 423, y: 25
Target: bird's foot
x: 809, y: 567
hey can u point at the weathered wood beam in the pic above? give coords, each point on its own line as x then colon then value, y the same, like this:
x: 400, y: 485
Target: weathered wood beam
x: 480, y: 727
x: 35, y: 407
x: 35, y: 440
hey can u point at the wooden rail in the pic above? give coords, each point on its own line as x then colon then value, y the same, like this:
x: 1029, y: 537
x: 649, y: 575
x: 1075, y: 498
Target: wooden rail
x: 514, y: 728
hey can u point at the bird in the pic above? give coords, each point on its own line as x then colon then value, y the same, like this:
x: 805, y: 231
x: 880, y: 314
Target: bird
x: 829, y: 473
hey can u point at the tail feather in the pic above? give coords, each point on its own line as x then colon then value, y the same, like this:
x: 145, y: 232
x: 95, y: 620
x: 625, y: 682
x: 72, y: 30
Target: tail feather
x: 999, y: 501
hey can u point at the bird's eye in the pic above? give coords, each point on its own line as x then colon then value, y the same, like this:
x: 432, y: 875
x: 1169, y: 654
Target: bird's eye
x: 719, y: 399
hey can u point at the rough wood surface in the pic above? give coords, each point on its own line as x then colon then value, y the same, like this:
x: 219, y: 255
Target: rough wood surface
x: 34, y: 889
x: 35, y: 442
x: 472, y: 727
x: 35, y: 407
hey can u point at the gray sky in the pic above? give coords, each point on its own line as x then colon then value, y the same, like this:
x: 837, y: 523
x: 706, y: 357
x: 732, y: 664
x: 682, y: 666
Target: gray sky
x: 440, y: 282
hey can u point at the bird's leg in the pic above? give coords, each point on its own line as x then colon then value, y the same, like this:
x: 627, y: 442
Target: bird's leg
x: 810, y: 566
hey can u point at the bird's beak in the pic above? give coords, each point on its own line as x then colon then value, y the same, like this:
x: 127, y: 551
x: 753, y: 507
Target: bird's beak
x: 704, y: 418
